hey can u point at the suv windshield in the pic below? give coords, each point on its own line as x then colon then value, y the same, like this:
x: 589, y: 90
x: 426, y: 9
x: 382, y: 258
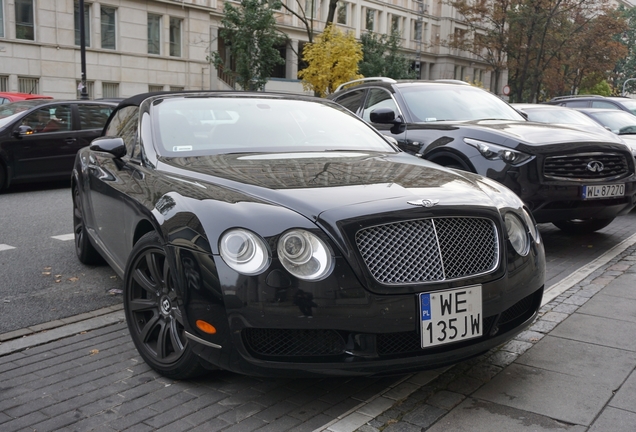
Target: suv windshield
x: 433, y: 103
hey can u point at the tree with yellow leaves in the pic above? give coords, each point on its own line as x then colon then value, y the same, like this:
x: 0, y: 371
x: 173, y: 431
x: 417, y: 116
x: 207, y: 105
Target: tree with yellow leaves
x: 332, y: 60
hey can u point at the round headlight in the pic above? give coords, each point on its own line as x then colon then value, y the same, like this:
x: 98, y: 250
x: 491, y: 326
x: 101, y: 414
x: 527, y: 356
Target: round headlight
x: 517, y: 233
x: 304, y: 255
x: 244, y: 251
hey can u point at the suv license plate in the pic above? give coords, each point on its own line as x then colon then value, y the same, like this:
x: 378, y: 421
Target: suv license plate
x: 603, y: 191
x: 451, y: 316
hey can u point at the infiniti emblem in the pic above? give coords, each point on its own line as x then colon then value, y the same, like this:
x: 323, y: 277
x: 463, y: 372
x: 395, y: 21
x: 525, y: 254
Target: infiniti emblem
x: 595, y: 166
x: 424, y: 202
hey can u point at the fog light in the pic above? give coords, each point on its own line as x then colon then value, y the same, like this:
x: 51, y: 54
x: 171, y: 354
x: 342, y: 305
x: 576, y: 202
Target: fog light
x: 206, y: 327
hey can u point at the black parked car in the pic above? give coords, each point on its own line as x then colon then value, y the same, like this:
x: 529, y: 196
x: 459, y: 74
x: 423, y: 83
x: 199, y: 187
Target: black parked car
x: 280, y: 235
x: 40, y: 138
x: 596, y: 101
x: 579, y: 181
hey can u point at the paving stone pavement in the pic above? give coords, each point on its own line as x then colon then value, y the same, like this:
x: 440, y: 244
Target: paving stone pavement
x: 572, y: 370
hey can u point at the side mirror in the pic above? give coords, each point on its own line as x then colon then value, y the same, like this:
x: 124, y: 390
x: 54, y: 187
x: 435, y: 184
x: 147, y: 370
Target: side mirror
x: 22, y: 130
x: 111, y: 145
x: 523, y: 114
x: 384, y: 116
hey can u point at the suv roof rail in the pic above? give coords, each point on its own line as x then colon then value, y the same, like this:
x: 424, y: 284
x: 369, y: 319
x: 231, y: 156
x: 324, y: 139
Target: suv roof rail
x: 361, y: 80
x: 452, y: 81
x: 556, y: 98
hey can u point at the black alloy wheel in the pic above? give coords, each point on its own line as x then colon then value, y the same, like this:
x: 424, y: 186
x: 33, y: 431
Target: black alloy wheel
x: 153, y: 315
x: 582, y: 226
x: 86, y: 252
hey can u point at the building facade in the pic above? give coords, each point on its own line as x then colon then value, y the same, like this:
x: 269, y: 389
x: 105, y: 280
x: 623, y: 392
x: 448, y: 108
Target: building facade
x: 134, y: 46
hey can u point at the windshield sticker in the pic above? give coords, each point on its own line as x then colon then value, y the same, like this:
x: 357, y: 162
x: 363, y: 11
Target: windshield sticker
x: 181, y: 148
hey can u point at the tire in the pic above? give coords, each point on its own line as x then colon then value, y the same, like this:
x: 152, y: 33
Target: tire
x: 86, y: 252
x: 152, y: 312
x: 582, y: 226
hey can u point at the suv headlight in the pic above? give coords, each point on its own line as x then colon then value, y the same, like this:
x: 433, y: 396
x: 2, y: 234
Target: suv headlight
x: 493, y: 152
x: 304, y: 255
x: 517, y: 234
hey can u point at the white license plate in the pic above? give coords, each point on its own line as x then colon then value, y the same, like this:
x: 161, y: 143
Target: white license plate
x: 451, y: 316
x: 603, y: 191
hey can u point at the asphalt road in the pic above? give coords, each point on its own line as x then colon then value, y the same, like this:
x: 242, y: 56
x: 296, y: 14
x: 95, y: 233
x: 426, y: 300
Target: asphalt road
x: 41, y: 280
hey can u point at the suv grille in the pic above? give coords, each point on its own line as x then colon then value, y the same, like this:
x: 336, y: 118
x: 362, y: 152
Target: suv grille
x: 585, y: 166
x: 429, y: 250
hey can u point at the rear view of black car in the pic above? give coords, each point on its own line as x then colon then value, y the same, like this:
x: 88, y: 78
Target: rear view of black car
x: 40, y: 138
x: 580, y: 181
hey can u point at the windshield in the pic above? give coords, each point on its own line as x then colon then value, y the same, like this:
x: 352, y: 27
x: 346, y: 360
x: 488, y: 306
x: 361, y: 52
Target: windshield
x: 444, y: 102
x: 619, y: 122
x: 204, y: 125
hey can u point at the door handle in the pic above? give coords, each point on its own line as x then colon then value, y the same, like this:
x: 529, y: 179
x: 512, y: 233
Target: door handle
x: 70, y: 140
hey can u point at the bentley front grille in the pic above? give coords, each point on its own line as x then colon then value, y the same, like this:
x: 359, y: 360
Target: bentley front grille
x: 586, y: 166
x: 429, y: 250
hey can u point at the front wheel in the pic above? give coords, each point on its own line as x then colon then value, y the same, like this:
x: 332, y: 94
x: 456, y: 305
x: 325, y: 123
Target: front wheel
x: 153, y: 315
x: 86, y: 252
x: 582, y: 226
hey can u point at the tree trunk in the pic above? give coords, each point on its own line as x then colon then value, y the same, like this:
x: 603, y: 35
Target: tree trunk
x: 333, y: 5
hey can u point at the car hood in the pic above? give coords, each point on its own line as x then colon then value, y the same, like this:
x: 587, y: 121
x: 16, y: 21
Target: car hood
x: 314, y: 184
x: 528, y: 133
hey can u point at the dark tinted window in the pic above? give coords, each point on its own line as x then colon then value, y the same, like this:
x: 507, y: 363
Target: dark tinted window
x: 351, y: 100
x: 124, y: 124
x: 51, y: 118
x: 93, y: 116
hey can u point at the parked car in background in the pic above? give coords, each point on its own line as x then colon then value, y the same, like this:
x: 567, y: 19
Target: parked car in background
x: 281, y: 235
x: 39, y: 138
x: 560, y: 115
x: 595, y: 101
x: 8, y: 97
x: 619, y: 122
x: 580, y: 181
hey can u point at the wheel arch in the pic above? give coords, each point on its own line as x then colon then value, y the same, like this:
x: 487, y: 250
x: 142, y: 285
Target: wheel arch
x: 143, y: 227
x: 450, y: 158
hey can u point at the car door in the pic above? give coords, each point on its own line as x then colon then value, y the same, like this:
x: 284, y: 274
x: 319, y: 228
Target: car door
x: 110, y: 182
x: 49, y: 149
x: 91, y: 118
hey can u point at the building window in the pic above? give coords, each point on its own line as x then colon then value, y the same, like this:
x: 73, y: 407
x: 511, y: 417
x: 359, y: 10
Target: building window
x: 370, y: 18
x: 108, y: 27
x: 417, y: 30
x: 28, y: 85
x: 154, y: 88
x: 175, y: 37
x: 4, y: 83
x: 90, y: 89
x: 310, y: 8
x: 24, y: 24
x: 87, y: 25
x: 154, y: 34
x: 395, y: 23
x: 1, y: 19
x: 177, y: 88
x: 342, y: 13
x: 110, y: 90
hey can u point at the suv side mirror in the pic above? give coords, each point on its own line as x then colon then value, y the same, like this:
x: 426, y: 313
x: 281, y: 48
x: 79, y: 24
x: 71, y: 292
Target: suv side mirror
x: 384, y: 116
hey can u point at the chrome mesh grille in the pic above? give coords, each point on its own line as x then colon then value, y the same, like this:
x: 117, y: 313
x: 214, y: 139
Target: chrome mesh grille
x: 576, y: 166
x: 429, y: 250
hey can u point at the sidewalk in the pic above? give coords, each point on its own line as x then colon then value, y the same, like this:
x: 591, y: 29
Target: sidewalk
x: 573, y: 370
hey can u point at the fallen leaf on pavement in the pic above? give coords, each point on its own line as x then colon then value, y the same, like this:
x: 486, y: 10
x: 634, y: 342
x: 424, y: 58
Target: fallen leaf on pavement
x: 93, y: 352
x: 73, y: 279
x: 46, y: 273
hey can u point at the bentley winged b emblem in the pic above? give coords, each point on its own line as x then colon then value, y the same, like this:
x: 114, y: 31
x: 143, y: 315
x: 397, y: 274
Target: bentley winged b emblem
x: 424, y: 202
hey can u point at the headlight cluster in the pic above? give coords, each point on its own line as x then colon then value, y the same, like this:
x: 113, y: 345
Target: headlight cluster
x: 518, y: 231
x: 302, y: 253
x: 493, y: 152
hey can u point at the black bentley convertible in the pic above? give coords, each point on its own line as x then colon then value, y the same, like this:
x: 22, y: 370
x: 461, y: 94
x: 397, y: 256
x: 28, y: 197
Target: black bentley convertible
x: 281, y: 235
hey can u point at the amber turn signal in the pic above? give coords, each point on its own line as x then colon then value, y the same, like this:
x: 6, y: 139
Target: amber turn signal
x: 206, y: 327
